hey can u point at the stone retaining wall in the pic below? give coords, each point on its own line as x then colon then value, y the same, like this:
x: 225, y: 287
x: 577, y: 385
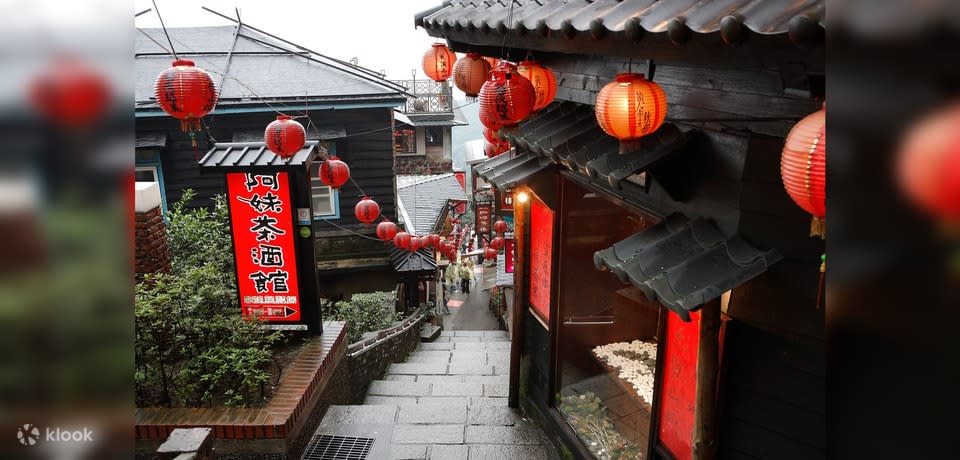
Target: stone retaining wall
x: 317, y: 379
x: 369, y: 358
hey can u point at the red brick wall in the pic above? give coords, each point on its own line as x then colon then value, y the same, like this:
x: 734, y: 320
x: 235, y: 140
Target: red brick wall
x: 152, y: 255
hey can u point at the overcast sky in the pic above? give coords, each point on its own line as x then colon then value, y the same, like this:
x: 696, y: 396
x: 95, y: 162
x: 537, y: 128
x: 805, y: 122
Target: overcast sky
x: 379, y: 33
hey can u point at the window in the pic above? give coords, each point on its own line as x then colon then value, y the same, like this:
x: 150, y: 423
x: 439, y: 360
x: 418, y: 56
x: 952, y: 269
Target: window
x: 326, y: 200
x: 405, y: 141
x: 433, y: 137
x: 146, y: 174
x: 149, y: 170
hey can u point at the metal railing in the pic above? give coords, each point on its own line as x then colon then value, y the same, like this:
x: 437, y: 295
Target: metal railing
x: 428, y: 96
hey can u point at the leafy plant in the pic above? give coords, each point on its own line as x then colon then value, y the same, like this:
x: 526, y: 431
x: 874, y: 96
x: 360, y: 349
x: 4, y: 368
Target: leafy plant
x: 588, y: 417
x: 364, y: 312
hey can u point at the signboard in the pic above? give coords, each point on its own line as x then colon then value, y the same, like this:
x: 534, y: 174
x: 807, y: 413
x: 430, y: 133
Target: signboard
x: 508, y: 252
x: 679, y: 387
x: 483, y: 219
x: 506, y: 201
x: 541, y: 255
x: 261, y: 219
x: 303, y: 216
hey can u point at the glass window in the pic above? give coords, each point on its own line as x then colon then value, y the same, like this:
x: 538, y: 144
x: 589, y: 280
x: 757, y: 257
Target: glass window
x: 608, y: 333
x: 325, y: 198
x: 146, y: 174
x: 405, y: 141
x: 434, y: 136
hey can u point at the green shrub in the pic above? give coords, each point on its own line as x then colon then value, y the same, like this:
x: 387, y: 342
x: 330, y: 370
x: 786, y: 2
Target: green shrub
x: 364, y: 312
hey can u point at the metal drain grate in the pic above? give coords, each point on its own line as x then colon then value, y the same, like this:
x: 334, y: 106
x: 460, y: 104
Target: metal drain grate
x: 326, y: 447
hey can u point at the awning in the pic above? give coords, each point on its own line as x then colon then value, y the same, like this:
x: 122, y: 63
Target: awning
x: 252, y: 156
x: 504, y: 175
x: 405, y: 261
x: 429, y: 119
x: 684, y: 264
x: 568, y: 134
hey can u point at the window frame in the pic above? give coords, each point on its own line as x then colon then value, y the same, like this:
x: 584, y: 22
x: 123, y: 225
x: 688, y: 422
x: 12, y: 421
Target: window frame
x: 334, y: 193
x: 153, y: 164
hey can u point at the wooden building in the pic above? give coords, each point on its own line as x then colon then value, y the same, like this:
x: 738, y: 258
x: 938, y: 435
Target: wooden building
x: 346, y: 108
x: 664, y: 299
x: 423, y: 134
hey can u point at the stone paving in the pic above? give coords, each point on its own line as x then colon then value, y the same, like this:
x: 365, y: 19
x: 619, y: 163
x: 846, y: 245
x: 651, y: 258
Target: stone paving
x: 447, y: 401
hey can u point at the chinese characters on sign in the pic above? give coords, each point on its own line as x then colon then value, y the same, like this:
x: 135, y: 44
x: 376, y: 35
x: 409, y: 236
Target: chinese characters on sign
x: 483, y: 220
x: 541, y: 253
x: 261, y: 218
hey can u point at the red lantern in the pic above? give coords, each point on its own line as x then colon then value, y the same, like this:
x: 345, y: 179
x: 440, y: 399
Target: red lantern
x: 929, y: 165
x: 500, y: 226
x: 492, y: 150
x: 505, y: 99
x: 543, y: 81
x: 469, y: 74
x: 489, y: 253
x: 334, y: 172
x: 367, y: 210
x: 630, y: 108
x: 70, y: 92
x: 415, y: 244
x: 491, y: 135
x: 434, y: 240
x: 186, y: 93
x: 401, y: 240
x: 492, y: 61
x: 496, y: 243
x: 386, y: 230
x: 285, y: 136
x: 438, y: 62
x: 803, y: 168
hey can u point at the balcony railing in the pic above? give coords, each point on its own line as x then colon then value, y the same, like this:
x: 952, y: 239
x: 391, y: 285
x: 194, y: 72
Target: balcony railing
x: 428, y: 96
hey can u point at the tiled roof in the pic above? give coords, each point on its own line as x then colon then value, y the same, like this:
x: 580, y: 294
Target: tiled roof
x: 238, y: 156
x: 517, y: 169
x: 406, y: 261
x: 684, y: 264
x: 258, y: 67
x: 420, y: 199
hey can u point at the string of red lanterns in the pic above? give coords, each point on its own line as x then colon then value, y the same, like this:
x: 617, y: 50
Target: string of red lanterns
x: 367, y: 210
x: 500, y: 226
x: 334, y: 172
x: 285, y: 136
x: 187, y: 93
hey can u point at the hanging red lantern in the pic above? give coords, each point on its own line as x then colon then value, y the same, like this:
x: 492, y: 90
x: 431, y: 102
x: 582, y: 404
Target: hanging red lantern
x: 438, y: 62
x: 69, y: 92
x: 434, y: 240
x: 367, y: 210
x: 803, y: 168
x: 492, y: 61
x: 401, y: 240
x: 500, y: 226
x: 543, y: 81
x: 492, y: 150
x: 469, y: 74
x: 186, y: 93
x: 496, y: 243
x: 415, y: 244
x: 386, y: 230
x: 284, y: 136
x: 492, y: 135
x: 506, y: 98
x: 489, y: 253
x: 928, y: 165
x: 629, y: 108
x: 334, y: 172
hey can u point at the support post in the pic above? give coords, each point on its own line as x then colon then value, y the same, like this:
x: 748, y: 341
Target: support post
x: 705, y: 413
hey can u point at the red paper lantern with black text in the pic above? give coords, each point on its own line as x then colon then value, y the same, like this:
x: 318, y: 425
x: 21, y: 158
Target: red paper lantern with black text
x: 629, y: 108
x: 492, y: 150
x: 489, y: 253
x: 367, y: 210
x: 496, y: 243
x: 186, y: 93
x: 543, y: 81
x: 386, y: 230
x: 500, y: 226
x: 928, y: 165
x: 284, y: 136
x: 492, y: 135
x: 435, y: 240
x: 505, y: 99
x: 415, y: 244
x: 401, y: 240
x: 70, y: 93
x: 803, y: 168
x: 334, y: 172
x: 469, y: 74
x: 438, y: 62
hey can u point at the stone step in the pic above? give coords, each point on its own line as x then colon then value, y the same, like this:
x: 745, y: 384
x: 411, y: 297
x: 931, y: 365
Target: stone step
x: 354, y: 415
x: 465, y: 388
x: 494, y: 334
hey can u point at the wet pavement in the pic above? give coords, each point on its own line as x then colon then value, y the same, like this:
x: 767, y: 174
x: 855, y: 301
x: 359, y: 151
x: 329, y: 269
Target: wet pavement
x: 470, y: 312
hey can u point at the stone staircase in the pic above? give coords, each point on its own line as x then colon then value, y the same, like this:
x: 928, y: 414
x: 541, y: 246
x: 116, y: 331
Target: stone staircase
x: 447, y: 401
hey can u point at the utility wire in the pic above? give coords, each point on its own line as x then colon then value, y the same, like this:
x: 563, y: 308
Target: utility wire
x: 172, y: 51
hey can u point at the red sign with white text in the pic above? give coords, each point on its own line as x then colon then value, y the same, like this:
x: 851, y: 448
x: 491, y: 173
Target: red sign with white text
x: 541, y: 254
x: 506, y: 201
x: 483, y: 219
x: 508, y: 253
x: 261, y: 218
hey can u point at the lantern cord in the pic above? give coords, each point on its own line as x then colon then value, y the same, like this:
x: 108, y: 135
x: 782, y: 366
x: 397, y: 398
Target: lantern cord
x: 503, y: 44
x: 172, y: 51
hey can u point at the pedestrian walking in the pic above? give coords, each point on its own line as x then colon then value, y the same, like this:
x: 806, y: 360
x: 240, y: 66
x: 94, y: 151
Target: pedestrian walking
x: 452, y: 276
x: 466, y: 274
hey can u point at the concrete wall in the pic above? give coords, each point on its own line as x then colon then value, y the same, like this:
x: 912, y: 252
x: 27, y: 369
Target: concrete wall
x: 369, y: 358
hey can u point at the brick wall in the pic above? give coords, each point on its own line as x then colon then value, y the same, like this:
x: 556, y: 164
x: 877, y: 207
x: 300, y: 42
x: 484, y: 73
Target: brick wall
x: 418, y: 165
x: 318, y: 378
x: 152, y: 253
x: 369, y: 358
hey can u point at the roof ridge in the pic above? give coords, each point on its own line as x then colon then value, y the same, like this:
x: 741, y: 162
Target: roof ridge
x: 429, y: 178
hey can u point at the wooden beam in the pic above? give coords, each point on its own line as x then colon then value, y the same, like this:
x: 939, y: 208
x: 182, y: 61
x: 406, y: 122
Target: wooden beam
x: 521, y: 232
x: 705, y: 412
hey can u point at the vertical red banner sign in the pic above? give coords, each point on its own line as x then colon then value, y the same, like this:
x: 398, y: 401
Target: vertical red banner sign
x: 483, y: 219
x: 678, y: 395
x: 508, y: 253
x: 261, y: 219
x: 541, y: 255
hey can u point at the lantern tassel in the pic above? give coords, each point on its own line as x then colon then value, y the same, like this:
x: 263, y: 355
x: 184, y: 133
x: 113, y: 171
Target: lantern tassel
x: 818, y: 227
x: 629, y: 146
x: 821, y: 284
